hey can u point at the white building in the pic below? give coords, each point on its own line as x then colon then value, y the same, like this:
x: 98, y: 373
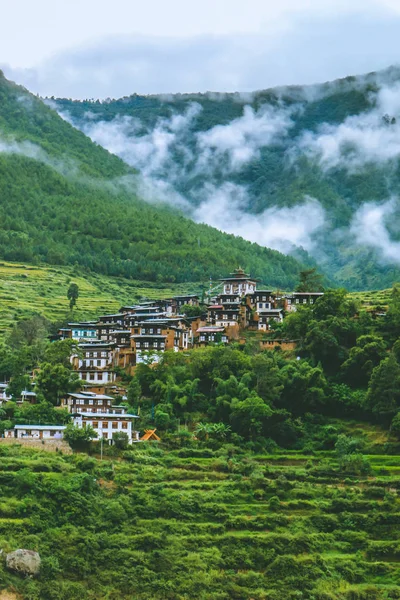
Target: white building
x: 37, y: 432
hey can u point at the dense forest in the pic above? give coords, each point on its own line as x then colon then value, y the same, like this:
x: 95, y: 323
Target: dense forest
x: 67, y: 201
x: 276, y: 476
x: 332, y: 147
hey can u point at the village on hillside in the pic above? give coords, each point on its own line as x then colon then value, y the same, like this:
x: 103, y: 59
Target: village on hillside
x: 138, y: 334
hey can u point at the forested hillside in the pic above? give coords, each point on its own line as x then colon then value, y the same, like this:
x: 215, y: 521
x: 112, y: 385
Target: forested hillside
x: 315, y: 167
x: 64, y: 201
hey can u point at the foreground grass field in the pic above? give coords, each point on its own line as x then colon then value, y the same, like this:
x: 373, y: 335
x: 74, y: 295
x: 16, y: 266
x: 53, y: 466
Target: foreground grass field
x: 26, y: 290
x: 199, y: 523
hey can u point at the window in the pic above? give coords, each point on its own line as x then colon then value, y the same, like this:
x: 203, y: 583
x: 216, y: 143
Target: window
x: 202, y: 338
x: 115, y: 425
x: 297, y: 300
x: 95, y: 424
x: 92, y: 376
x: 91, y: 402
x: 124, y: 425
x: 99, y: 376
x: 311, y: 301
x: 264, y: 298
x: 289, y: 301
x: 304, y: 300
x: 137, y: 344
x: 99, y: 402
x: 146, y: 344
x: 99, y: 363
x: 151, y: 331
x: 159, y: 331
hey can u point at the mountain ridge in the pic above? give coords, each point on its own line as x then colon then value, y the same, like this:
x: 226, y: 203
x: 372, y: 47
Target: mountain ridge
x: 315, y: 167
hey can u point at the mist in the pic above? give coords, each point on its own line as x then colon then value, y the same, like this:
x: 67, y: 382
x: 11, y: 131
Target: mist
x: 198, y: 170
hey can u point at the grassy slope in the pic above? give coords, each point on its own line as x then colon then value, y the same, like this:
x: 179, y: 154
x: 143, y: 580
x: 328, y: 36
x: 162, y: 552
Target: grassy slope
x: 26, y: 290
x: 168, y: 525
x: 62, y: 202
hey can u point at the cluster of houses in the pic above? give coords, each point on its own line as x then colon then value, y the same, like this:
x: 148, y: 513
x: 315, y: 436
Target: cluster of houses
x: 142, y: 333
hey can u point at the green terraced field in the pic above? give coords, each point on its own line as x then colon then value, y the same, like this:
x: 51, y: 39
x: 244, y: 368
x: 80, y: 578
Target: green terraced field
x: 372, y: 300
x: 26, y: 290
x: 204, y: 524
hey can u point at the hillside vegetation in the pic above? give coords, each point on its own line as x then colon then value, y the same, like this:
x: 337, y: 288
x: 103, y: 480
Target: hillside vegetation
x: 322, y: 157
x: 201, y: 523
x: 27, y: 290
x: 65, y: 201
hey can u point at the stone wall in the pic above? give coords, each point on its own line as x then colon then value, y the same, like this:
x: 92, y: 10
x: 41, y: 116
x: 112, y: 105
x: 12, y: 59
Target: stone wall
x: 46, y: 445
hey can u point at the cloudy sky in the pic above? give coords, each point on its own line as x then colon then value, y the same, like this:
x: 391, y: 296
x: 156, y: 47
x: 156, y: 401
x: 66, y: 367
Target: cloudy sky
x: 98, y: 48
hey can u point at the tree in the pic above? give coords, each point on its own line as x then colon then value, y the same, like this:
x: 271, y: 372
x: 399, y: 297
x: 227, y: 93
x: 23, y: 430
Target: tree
x: 383, y: 397
x: 192, y: 311
x: 249, y: 417
x: 134, y: 392
x: 79, y: 437
x: 121, y: 440
x: 73, y: 295
x: 54, y: 381
x: 363, y: 357
x: 310, y: 281
x: 395, y: 425
x: 59, y: 353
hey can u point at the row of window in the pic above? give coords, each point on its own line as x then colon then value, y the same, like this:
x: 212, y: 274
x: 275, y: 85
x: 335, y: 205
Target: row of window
x: 297, y: 301
x: 94, y: 376
x: 81, y: 402
x: 106, y: 424
x: 96, y: 354
x: 147, y: 345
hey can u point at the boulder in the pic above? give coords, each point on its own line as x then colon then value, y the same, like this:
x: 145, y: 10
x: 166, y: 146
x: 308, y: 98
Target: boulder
x: 26, y: 562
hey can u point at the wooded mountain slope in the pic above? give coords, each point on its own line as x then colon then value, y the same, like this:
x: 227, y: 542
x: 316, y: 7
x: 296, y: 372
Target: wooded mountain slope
x: 64, y: 200
x: 316, y: 167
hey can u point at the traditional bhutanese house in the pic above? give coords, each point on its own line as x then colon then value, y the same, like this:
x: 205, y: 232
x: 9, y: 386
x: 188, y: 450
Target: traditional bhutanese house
x: 115, y: 319
x: 148, y: 348
x: 228, y: 315
x: 123, y: 354
x: 37, y: 432
x: 293, y: 301
x: 134, y: 321
x: 86, y: 402
x: 267, y: 316
x: 179, y: 301
x: 149, y: 305
x: 239, y: 283
x: 262, y: 299
x: 105, y: 331
x: 79, y: 331
x: 97, y: 410
x: 210, y: 334
x: 96, y: 363
x: 4, y: 396
x: 26, y: 396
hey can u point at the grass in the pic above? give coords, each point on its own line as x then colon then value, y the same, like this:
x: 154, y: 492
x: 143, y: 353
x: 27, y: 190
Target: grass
x: 26, y: 290
x: 372, y: 300
x: 205, y: 526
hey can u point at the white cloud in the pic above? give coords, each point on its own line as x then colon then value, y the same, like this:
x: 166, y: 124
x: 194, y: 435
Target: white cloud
x: 360, y: 139
x: 268, y: 45
x: 241, y: 139
x: 225, y: 206
x: 369, y: 226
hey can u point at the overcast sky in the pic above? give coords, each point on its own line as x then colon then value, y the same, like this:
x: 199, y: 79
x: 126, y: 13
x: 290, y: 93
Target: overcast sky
x: 98, y: 48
